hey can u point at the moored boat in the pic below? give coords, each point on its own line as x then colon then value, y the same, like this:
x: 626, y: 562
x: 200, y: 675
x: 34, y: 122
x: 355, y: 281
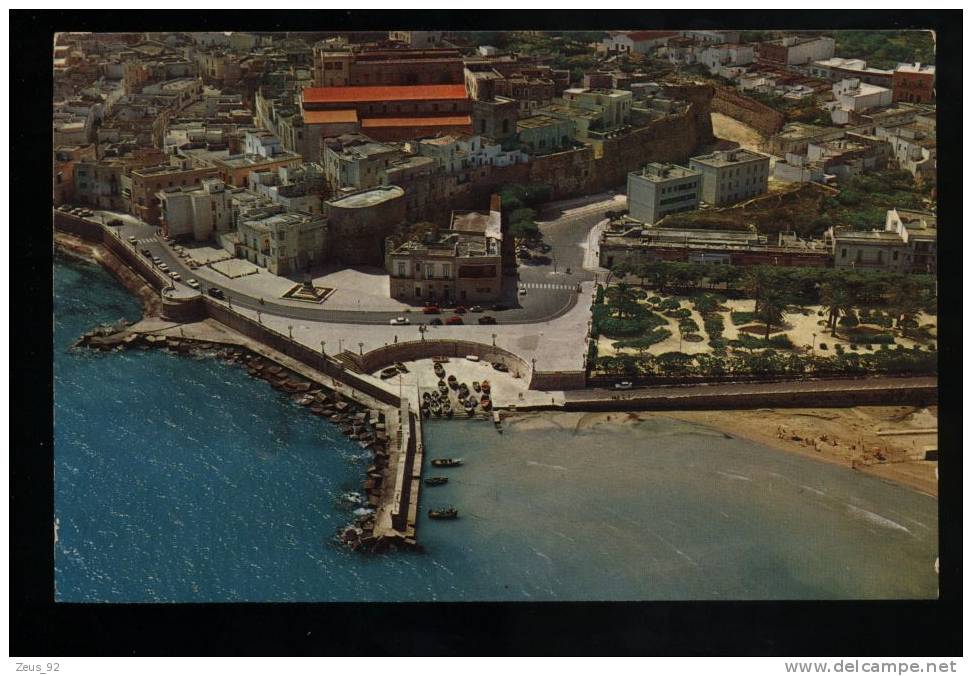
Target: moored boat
x: 476, y: 386
x: 453, y: 383
x: 436, y: 480
x: 390, y: 372
x: 446, y: 462
x: 447, y: 513
x: 401, y: 367
x: 485, y: 386
x: 439, y: 371
x: 443, y: 388
x: 485, y: 403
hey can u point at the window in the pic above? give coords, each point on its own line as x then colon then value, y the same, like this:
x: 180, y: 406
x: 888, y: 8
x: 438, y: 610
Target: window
x: 401, y: 268
x: 894, y: 256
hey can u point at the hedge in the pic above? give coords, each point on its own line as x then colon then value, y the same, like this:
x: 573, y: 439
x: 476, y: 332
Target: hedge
x: 646, y: 341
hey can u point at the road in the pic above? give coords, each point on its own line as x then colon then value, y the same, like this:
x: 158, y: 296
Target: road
x: 550, y: 287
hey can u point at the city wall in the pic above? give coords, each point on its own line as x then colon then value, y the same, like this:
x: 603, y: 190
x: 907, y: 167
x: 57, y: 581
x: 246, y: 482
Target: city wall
x: 411, y: 350
x: 757, y: 115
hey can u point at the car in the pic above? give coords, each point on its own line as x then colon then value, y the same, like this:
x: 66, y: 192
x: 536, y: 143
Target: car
x: 431, y: 310
x: 435, y: 322
x: 460, y: 310
x: 146, y: 253
x: 476, y: 308
x: 132, y: 240
x: 523, y: 291
x: 399, y: 321
x: 454, y: 320
x: 87, y: 213
x: 116, y: 222
x: 175, y: 275
x: 193, y: 283
x: 499, y: 307
x: 156, y: 260
x: 500, y: 367
x: 623, y: 385
x: 163, y: 267
x: 215, y: 292
x: 65, y: 207
x: 486, y: 319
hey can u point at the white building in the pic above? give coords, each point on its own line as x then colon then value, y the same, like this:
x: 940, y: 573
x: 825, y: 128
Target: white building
x: 198, y: 211
x: 283, y: 243
x: 719, y: 58
x: 458, y: 154
x: 637, y: 42
x: 416, y: 39
x: 853, y: 96
x: 662, y: 189
x: 262, y: 143
x: 729, y: 176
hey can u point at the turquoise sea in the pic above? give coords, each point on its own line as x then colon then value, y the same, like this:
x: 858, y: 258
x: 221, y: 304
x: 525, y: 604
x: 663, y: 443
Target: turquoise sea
x: 182, y: 479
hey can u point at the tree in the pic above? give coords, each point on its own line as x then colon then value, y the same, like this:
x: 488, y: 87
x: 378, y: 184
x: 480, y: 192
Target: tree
x: 524, y: 230
x: 770, y: 309
x: 906, y: 302
x: 834, y: 296
x: 755, y: 282
x: 624, y: 296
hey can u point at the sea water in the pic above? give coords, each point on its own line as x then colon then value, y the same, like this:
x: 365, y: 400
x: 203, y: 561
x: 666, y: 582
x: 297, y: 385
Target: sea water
x: 181, y: 479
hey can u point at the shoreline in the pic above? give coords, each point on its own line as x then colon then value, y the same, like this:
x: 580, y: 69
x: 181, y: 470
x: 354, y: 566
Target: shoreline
x: 762, y: 426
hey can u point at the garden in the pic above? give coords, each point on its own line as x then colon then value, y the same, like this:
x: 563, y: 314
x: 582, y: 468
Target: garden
x: 696, y: 321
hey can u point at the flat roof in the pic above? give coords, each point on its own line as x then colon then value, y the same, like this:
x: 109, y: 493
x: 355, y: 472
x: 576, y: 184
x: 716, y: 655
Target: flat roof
x: 330, y: 116
x: 384, y: 93
x: 368, y: 198
x: 378, y: 122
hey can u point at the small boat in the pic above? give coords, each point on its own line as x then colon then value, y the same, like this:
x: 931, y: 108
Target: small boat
x: 472, y: 357
x: 470, y: 406
x: 389, y: 373
x: 447, y: 462
x: 485, y: 387
x: 426, y: 412
x: 485, y: 403
x: 447, y: 409
x: 453, y: 383
x: 426, y: 397
x: 439, y: 371
x: 401, y: 367
x: 436, y: 409
x: 463, y: 391
x: 443, y: 388
x: 436, y: 480
x: 447, y: 513
x: 476, y: 386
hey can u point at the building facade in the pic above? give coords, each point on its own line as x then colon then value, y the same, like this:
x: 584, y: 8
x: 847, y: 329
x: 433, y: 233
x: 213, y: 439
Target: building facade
x: 197, y: 212
x: 360, y: 222
x: 729, y: 176
x: 662, y: 189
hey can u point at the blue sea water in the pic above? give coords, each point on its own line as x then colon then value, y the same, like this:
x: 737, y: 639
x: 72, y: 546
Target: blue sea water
x: 182, y: 479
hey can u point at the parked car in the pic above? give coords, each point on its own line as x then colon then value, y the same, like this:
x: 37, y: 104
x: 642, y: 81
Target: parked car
x: 65, y: 207
x: 176, y: 276
x: 486, y: 319
x: 193, y: 283
x: 431, y: 310
x: 216, y: 293
x: 523, y: 291
x: 399, y: 321
x: 146, y: 253
x: 156, y: 260
x: 163, y: 267
x: 623, y: 385
x: 460, y: 310
x: 454, y: 319
x: 476, y: 308
x: 435, y: 322
x: 131, y: 240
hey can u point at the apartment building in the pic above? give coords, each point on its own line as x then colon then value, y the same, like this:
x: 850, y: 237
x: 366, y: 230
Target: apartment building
x: 729, y: 176
x: 661, y: 189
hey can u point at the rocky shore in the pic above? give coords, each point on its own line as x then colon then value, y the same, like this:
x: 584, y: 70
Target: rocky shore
x: 366, y: 426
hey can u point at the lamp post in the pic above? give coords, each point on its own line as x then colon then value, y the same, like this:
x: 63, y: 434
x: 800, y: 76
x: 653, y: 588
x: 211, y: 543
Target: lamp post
x: 422, y: 329
x: 290, y: 329
x: 360, y: 348
x: 229, y: 299
x: 259, y: 317
x: 340, y: 345
x: 323, y: 353
x: 494, y: 340
x: 813, y: 344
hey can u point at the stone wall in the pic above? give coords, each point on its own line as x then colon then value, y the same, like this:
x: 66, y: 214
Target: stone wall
x: 426, y: 349
x: 282, y: 343
x: 553, y: 381
x: 757, y: 115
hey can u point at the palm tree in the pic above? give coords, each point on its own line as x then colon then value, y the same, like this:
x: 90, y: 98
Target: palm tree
x: 770, y: 310
x: 835, y: 296
x: 755, y: 282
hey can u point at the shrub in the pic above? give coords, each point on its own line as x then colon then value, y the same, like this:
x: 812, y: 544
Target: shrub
x: 681, y: 313
x: 848, y: 320
x: 781, y: 340
x: 705, y: 303
x: 820, y: 313
x: 741, y: 318
x: 823, y: 346
x: 876, y: 338
x: 688, y: 325
x: 718, y: 343
x: 854, y: 346
x: 646, y: 341
x: 669, y: 304
x: 714, y: 325
x: 839, y: 349
x: 654, y: 300
x: 692, y: 338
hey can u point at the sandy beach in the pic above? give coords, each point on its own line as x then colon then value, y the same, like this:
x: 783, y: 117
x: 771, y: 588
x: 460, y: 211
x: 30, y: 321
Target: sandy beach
x: 885, y: 441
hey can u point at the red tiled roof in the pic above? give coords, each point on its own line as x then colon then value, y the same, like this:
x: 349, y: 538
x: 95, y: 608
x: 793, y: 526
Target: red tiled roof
x: 384, y: 93
x: 329, y: 116
x: 456, y: 121
x: 638, y: 36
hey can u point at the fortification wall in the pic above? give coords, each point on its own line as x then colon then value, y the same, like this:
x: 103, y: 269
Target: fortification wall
x: 757, y: 115
x: 426, y: 349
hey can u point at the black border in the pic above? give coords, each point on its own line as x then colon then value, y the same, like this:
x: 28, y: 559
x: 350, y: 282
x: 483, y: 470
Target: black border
x: 39, y: 627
